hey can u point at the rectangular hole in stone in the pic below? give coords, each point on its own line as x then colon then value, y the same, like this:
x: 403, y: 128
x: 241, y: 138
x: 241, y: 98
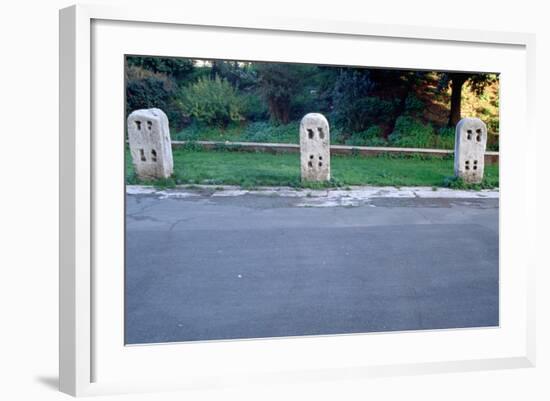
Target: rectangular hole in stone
x: 310, y: 133
x: 310, y: 164
x: 138, y: 125
x: 142, y: 155
x: 149, y: 125
x: 154, y: 155
x: 321, y: 133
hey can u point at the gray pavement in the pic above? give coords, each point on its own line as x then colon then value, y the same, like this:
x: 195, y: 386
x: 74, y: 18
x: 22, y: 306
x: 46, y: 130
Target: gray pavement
x: 206, y: 265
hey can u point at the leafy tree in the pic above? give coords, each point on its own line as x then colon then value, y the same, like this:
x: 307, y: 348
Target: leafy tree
x: 278, y: 83
x: 146, y: 89
x: 355, y: 106
x: 212, y: 102
x: 456, y: 81
x: 177, y: 68
x: 240, y: 74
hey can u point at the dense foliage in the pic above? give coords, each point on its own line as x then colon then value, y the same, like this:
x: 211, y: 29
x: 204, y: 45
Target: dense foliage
x: 260, y: 101
x: 146, y: 89
x: 279, y: 83
x: 177, y: 68
x: 212, y: 102
x: 455, y: 81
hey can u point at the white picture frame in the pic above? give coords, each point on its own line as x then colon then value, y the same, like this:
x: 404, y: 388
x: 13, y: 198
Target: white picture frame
x: 91, y: 353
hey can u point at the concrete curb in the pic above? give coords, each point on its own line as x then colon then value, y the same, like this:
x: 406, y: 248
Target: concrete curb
x: 357, y: 192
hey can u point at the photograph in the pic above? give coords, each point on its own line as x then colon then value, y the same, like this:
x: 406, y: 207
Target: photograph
x: 268, y: 199
x: 272, y: 201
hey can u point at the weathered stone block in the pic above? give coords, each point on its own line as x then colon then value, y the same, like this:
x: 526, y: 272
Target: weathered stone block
x: 150, y: 145
x: 315, y: 148
x: 470, y: 144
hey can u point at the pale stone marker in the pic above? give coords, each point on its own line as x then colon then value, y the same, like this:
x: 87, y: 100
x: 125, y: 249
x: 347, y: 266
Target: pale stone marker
x: 470, y: 144
x: 315, y: 148
x: 150, y: 146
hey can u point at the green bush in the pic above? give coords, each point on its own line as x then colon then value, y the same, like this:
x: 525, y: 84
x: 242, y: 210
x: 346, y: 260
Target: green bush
x: 305, y: 101
x: 255, y: 109
x: 446, y: 131
x: 370, y: 137
x: 337, y: 135
x: 356, y: 109
x: 146, y: 89
x: 445, y: 139
x: 411, y: 133
x: 192, y: 132
x: 267, y: 132
x: 212, y: 102
x: 365, y: 112
x: 413, y: 105
x: 279, y: 84
x: 197, y: 131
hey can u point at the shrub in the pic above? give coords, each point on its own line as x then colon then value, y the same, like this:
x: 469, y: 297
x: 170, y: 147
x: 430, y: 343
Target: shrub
x: 146, y: 89
x: 370, y: 137
x: 279, y: 83
x: 255, y: 108
x: 365, y: 112
x: 355, y: 107
x: 212, y: 102
x: 306, y: 101
x: 411, y: 133
x: 413, y: 105
x: 337, y: 135
x: 446, y: 131
x: 266, y: 132
x: 192, y: 132
x: 445, y: 139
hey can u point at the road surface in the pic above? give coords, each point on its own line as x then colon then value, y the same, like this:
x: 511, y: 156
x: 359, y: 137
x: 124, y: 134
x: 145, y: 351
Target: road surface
x: 206, y: 264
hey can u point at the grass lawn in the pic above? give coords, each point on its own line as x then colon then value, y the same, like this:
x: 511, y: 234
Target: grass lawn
x: 264, y: 169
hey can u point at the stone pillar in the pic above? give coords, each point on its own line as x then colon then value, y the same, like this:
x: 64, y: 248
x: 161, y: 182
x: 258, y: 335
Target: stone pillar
x: 150, y: 145
x: 470, y: 143
x: 314, y: 148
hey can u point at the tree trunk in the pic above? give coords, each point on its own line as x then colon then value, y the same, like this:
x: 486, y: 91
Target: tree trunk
x: 285, y: 111
x: 399, y: 110
x: 279, y: 109
x: 457, y: 81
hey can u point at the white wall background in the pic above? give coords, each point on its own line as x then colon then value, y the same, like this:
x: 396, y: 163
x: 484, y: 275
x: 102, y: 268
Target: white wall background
x: 29, y: 200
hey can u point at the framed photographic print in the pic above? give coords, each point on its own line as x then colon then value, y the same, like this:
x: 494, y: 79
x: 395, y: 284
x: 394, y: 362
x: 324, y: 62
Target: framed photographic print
x: 270, y: 201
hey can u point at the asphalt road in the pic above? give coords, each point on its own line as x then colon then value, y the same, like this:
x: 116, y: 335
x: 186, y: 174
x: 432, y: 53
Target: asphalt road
x: 203, y: 267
